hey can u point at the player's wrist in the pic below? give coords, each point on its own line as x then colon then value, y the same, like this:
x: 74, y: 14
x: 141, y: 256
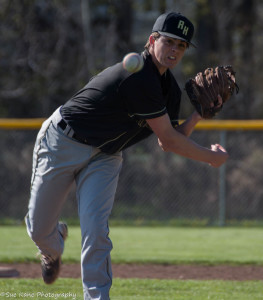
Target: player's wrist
x: 197, y: 116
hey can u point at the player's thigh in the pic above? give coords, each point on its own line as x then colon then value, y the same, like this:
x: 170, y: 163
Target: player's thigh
x: 96, y: 186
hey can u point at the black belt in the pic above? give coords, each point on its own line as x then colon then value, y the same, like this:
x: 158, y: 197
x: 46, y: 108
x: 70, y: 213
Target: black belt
x: 70, y: 132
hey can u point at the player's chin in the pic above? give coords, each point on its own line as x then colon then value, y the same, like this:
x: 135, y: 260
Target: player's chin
x: 171, y: 63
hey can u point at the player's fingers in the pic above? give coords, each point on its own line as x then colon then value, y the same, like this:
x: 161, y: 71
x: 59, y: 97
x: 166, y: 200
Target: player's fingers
x: 222, y: 148
x: 217, y: 147
x: 220, y: 100
x: 213, y: 147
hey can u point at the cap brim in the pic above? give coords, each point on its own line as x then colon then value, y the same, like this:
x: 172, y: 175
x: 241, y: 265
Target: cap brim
x: 176, y: 37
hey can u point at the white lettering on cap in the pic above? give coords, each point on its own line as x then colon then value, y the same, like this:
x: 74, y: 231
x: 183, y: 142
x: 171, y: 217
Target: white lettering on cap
x: 185, y: 31
x: 182, y: 27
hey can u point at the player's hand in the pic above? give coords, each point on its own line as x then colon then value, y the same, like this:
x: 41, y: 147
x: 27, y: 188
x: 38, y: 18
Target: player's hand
x: 161, y: 145
x: 219, y: 102
x: 220, y: 157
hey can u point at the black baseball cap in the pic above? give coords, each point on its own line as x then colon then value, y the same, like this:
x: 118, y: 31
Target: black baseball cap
x: 174, y: 25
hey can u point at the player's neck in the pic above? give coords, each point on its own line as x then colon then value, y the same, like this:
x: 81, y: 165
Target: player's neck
x: 162, y: 69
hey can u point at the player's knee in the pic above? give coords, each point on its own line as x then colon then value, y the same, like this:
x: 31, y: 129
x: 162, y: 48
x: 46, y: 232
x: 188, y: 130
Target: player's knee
x: 37, y: 233
x: 95, y: 229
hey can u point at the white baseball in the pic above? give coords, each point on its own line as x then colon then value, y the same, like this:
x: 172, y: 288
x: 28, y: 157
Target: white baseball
x: 133, y: 62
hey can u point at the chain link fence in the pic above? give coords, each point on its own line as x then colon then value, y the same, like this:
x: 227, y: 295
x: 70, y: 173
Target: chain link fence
x: 155, y: 186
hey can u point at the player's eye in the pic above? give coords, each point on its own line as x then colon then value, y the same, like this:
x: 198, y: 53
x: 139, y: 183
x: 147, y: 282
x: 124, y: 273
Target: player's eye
x: 169, y: 42
x: 182, y: 46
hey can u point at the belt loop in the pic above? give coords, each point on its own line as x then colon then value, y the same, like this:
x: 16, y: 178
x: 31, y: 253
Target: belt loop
x: 69, y: 132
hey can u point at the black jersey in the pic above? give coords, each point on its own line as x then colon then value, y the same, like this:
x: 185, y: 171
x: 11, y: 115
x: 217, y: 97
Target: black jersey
x: 110, y: 112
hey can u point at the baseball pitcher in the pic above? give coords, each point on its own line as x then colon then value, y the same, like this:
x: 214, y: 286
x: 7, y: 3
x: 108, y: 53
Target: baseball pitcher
x: 83, y: 140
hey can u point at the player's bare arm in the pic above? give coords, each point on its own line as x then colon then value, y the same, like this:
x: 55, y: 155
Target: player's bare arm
x: 173, y: 141
x: 187, y: 127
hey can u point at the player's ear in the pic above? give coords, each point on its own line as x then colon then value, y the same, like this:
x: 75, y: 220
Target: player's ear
x: 151, y: 40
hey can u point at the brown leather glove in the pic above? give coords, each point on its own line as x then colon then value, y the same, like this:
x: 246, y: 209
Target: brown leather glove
x: 203, y: 90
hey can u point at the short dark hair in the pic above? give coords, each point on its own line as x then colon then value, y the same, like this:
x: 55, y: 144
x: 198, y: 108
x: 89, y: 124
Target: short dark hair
x: 155, y: 35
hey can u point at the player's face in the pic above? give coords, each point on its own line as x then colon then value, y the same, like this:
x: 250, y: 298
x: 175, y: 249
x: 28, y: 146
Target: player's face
x: 167, y: 52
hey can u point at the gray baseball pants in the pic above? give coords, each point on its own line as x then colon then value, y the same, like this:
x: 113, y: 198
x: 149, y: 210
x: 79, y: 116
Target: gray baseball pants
x: 58, y: 162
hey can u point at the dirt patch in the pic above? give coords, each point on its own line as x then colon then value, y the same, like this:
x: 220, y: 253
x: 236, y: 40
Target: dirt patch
x: 183, y: 272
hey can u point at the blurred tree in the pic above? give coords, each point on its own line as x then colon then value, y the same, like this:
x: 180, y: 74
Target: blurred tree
x: 226, y: 35
x: 41, y: 48
x: 49, y: 49
x: 123, y: 17
x: 206, y: 34
x: 87, y: 32
x: 245, y: 27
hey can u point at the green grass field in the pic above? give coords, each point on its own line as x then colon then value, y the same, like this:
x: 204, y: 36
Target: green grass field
x: 237, y: 246
x: 135, y: 289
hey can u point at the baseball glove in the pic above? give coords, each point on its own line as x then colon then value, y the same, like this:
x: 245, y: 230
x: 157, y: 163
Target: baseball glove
x: 203, y: 90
